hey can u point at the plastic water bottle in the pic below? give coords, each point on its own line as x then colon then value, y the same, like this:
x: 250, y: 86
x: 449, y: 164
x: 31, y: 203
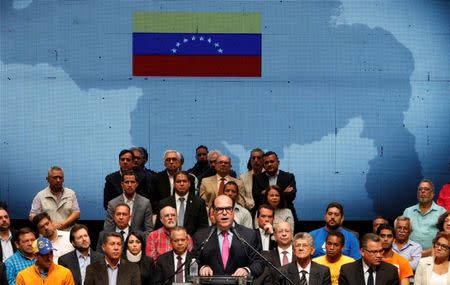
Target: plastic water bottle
x: 193, y: 269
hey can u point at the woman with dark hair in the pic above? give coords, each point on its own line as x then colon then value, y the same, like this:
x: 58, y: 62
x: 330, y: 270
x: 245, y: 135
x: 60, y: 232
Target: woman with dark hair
x: 434, y: 270
x: 273, y: 196
x: 135, y: 252
x: 443, y: 223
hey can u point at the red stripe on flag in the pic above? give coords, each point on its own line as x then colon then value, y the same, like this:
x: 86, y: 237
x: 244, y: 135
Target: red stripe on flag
x: 179, y: 65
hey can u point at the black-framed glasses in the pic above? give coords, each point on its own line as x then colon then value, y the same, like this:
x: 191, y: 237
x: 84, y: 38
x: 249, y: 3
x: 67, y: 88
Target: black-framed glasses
x: 441, y: 246
x: 374, y: 252
x: 223, y: 210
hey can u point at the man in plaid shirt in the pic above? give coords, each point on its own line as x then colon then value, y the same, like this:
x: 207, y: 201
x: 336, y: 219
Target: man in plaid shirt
x: 24, y: 256
x: 158, y: 242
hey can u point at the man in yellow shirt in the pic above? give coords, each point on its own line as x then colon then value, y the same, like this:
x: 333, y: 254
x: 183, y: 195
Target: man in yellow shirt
x: 44, y: 271
x: 334, y: 259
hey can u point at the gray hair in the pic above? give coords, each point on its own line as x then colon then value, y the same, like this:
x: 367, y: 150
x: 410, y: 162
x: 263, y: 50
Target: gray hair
x: 403, y: 218
x: 304, y: 236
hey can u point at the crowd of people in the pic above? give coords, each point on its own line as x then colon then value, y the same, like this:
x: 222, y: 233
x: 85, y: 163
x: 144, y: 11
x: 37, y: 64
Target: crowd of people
x: 158, y: 223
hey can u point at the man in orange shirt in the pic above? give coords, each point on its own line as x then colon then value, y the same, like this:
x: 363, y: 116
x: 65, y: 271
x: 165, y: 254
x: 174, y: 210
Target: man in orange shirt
x: 44, y: 271
x: 386, y: 233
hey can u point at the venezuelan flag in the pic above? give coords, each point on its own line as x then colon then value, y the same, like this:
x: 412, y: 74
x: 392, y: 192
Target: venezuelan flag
x: 197, y: 44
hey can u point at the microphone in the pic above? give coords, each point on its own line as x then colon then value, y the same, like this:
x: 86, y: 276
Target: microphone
x: 203, y: 244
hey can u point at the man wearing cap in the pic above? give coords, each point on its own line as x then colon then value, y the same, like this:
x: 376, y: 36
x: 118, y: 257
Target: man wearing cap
x: 44, y: 271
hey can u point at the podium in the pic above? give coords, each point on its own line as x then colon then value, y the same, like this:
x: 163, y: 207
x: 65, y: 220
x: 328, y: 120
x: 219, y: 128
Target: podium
x: 222, y: 280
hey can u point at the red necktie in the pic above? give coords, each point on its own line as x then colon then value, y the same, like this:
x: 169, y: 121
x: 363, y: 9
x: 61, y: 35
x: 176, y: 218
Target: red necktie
x: 221, y: 185
x: 225, y: 248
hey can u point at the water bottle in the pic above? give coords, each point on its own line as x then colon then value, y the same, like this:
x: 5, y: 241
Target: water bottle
x: 193, y: 272
x: 193, y: 269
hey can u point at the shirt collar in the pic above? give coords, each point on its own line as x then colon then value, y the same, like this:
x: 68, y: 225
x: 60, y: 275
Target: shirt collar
x: 79, y: 254
x: 289, y: 250
x: 127, y: 200
x: 9, y: 237
x: 307, y: 268
x: 270, y: 176
x: 108, y: 265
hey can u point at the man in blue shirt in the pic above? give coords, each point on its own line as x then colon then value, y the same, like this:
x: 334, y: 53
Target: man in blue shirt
x: 334, y: 216
x: 24, y: 256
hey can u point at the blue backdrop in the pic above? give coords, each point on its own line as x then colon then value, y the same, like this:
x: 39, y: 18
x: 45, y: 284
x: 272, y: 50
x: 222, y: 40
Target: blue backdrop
x: 354, y: 96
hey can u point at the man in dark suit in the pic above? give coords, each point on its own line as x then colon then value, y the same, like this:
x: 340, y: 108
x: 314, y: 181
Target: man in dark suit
x: 165, y: 267
x: 224, y: 253
x: 271, y: 176
x: 264, y: 219
x: 163, y: 182
x: 303, y: 270
x: 82, y: 256
x: 191, y: 210
x: 357, y: 272
x: 122, y: 271
x: 141, y: 214
x: 7, y: 235
x: 282, y: 254
x: 121, y: 219
x: 113, y: 186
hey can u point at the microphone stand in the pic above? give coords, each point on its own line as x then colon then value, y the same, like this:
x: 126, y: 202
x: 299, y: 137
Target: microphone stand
x: 234, y: 231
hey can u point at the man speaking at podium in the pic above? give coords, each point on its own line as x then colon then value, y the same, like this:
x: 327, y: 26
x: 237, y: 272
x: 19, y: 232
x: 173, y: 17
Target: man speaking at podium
x: 220, y: 249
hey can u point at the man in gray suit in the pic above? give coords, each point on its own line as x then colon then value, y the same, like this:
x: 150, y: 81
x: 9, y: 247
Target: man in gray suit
x: 113, y: 269
x: 141, y: 209
x: 82, y: 256
x: 302, y: 270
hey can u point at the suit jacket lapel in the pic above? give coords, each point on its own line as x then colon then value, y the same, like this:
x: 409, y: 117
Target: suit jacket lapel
x: 76, y: 271
x: 359, y: 274
x: 276, y: 257
x: 102, y: 272
x: 187, y: 208
x: 293, y: 273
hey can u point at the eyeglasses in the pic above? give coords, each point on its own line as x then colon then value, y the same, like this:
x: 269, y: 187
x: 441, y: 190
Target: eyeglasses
x: 223, y: 210
x: 374, y: 252
x: 441, y: 246
x: 424, y: 189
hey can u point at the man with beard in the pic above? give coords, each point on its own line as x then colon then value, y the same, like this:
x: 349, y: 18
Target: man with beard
x: 334, y: 216
x: 386, y: 234
x: 158, y: 241
x: 24, y: 256
x: 334, y: 258
x: 407, y: 248
x: 7, y: 235
x: 370, y: 269
x: 424, y: 215
x: 78, y: 260
x: 44, y: 271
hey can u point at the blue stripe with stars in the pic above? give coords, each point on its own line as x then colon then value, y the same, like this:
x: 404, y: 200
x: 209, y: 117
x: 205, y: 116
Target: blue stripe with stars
x: 196, y: 44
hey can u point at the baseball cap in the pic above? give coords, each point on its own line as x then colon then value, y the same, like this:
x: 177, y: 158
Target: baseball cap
x: 42, y: 246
